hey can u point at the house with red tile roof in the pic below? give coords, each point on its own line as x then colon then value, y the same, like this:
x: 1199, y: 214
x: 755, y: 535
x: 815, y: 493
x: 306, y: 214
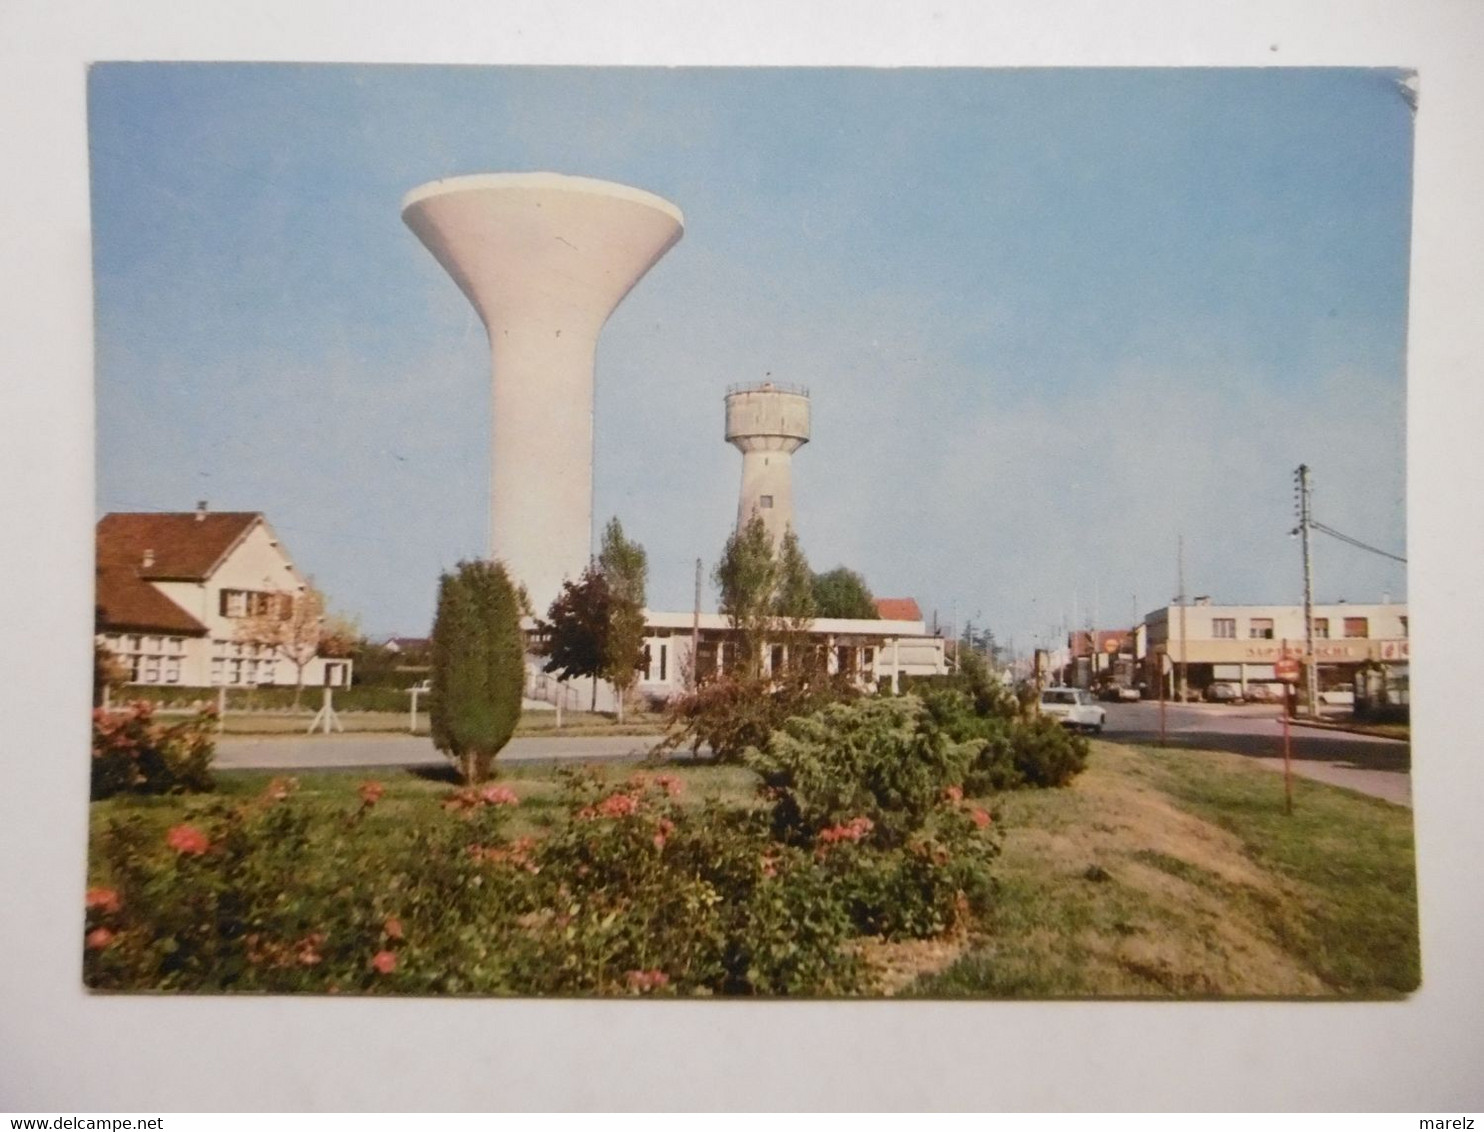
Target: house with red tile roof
x: 175, y: 592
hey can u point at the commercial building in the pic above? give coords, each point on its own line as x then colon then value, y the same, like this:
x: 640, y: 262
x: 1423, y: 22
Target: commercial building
x: 174, y: 591
x: 1240, y: 643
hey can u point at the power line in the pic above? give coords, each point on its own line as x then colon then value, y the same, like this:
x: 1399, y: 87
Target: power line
x: 1318, y: 526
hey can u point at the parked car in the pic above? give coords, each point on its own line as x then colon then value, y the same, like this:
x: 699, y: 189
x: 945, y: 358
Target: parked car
x: 1118, y: 694
x: 1265, y: 693
x: 1223, y: 693
x: 1073, y: 708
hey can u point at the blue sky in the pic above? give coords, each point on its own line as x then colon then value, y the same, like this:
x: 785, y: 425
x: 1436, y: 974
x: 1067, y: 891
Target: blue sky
x: 1048, y: 318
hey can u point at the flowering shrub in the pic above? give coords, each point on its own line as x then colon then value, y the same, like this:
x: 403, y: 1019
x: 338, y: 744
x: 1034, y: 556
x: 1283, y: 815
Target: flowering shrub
x: 133, y: 752
x: 630, y: 894
x: 928, y: 886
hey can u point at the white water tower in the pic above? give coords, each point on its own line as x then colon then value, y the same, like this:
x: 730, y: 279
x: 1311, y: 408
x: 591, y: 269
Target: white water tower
x: 545, y: 258
x: 768, y: 423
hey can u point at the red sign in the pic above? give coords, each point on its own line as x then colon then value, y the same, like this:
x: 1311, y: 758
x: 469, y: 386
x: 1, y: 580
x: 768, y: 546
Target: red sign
x: 1286, y: 668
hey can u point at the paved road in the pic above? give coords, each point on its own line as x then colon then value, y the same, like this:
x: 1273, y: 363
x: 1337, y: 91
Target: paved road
x: 1365, y: 763
x: 320, y: 752
x: 1370, y: 765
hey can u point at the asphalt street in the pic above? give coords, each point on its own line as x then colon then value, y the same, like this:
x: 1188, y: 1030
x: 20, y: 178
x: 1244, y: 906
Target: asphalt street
x: 330, y: 752
x: 1370, y: 765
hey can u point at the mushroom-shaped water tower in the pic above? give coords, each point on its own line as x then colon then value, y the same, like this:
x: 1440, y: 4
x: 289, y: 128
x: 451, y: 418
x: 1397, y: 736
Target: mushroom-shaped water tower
x: 545, y: 258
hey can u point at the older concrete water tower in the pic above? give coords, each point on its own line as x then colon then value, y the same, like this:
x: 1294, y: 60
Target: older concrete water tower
x: 544, y: 258
x: 768, y: 423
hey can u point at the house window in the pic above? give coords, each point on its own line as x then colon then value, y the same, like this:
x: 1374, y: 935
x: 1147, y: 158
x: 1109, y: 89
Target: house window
x: 1404, y: 626
x: 1357, y: 627
x: 172, y: 670
x: 254, y: 603
x: 1260, y: 629
x: 765, y: 501
x: 664, y: 658
x: 1224, y: 628
x: 1321, y: 628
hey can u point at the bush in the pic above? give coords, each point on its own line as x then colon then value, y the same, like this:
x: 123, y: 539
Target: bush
x: 989, y: 697
x: 478, y: 666
x: 730, y: 714
x: 631, y: 895
x: 1046, y: 754
x: 134, y: 753
x: 884, y: 761
x: 928, y: 886
x: 1012, y: 753
x: 263, y: 895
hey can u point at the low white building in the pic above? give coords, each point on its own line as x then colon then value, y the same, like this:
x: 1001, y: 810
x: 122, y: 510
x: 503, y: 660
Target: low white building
x: 681, y: 648
x: 174, y: 589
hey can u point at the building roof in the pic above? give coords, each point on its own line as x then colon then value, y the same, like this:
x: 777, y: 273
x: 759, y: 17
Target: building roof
x: 182, y: 546
x: 134, y: 549
x: 124, y: 601
x: 407, y: 644
x: 898, y: 609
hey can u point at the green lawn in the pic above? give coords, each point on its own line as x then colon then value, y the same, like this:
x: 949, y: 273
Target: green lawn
x: 1178, y: 873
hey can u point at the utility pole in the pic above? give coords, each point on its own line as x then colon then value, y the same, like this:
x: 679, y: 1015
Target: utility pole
x: 1180, y: 575
x: 695, y: 632
x: 1306, y: 520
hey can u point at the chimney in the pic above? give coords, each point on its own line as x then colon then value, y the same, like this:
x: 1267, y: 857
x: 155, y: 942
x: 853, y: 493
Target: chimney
x: 149, y: 559
x: 200, y: 510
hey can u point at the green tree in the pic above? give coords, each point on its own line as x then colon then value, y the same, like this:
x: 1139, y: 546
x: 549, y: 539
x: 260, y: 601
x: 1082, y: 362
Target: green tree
x: 576, y: 628
x: 843, y: 593
x: 793, y: 599
x: 625, y: 568
x: 478, y: 666
x: 747, y: 577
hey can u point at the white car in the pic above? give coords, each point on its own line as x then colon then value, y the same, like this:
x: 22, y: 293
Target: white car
x: 1072, y: 708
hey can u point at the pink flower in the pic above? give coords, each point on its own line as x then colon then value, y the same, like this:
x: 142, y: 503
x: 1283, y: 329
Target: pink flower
x: 666, y: 827
x: 392, y: 927
x: 384, y: 963
x: 954, y: 794
x: 281, y: 788
x: 104, y: 900
x: 669, y: 784
x: 769, y: 866
x: 853, y: 831
x: 499, y: 796
x: 188, y: 840
x: 99, y: 938
x: 646, y: 980
x: 308, y: 948
x: 371, y: 793
x: 981, y: 819
x: 618, y: 805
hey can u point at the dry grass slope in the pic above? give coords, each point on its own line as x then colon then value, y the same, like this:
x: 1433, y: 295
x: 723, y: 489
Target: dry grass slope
x: 1131, y: 884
